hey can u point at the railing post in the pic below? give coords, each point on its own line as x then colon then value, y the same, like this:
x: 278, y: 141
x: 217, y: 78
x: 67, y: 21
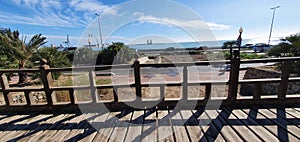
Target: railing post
x: 207, y: 91
x: 115, y: 91
x: 137, y: 79
x: 285, y: 72
x: 47, y: 80
x: 27, y: 98
x: 4, y: 85
x: 72, y: 98
x: 185, y: 84
x: 162, y: 92
x: 93, y: 86
x: 234, y: 77
x: 257, y: 90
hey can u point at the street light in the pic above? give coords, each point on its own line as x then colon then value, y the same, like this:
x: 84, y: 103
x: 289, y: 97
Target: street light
x: 99, y: 27
x: 274, y: 9
x: 89, y: 40
x: 239, y: 39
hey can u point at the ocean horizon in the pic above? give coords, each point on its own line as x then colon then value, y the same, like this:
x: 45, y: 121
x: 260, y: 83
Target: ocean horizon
x: 184, y: 45
x: 179, y: 45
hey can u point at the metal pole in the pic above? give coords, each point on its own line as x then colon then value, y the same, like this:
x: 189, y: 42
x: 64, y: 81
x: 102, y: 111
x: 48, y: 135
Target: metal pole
x: 271, y: 29
x: 99, y: 27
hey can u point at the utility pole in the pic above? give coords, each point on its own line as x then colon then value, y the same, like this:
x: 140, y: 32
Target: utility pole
x: 271, y: 29
x: 99, y: 27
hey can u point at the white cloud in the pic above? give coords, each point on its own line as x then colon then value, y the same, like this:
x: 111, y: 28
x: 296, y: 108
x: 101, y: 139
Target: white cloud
x: 217, y: 27
x: 55, y: 13
x: 89, y: 6
x: 190, y: 24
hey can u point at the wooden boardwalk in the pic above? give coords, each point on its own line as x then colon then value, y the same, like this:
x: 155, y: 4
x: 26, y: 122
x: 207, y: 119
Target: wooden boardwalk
x: 264, y: 123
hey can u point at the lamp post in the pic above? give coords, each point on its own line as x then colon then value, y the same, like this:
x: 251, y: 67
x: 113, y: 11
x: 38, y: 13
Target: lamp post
x: 89, y: 40
x: 239, y: 39
x: 99, y: 27
x: 274, y: 9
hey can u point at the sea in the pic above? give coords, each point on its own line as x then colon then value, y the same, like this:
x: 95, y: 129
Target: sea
x: 176, y: 45
x: 179, y: 45
x: 185, y: 45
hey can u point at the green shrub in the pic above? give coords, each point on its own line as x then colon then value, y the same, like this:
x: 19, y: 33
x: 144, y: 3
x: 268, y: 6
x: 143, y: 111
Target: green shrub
x: 55, y: 58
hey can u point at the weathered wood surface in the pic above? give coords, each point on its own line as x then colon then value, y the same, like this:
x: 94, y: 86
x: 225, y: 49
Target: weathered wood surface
x: 259, y: 123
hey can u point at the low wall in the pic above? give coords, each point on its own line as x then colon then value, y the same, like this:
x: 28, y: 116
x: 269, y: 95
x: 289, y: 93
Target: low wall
x: 267, y: 88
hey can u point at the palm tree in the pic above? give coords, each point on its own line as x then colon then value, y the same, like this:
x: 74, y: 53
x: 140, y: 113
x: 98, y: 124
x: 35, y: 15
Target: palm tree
x: 289, y: 47
x: 228, y: 44
x: 55, y: 58
x: 18, y: 49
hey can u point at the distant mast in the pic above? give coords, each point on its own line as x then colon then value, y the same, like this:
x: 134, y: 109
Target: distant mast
x: 149, y: 41
x: 67, y: 43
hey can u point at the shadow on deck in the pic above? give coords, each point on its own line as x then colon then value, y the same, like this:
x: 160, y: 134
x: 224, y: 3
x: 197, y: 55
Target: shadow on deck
x: 260, y: 123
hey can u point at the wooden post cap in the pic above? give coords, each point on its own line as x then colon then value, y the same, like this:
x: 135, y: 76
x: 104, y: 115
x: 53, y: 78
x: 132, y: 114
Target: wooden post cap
x: 43, y: 61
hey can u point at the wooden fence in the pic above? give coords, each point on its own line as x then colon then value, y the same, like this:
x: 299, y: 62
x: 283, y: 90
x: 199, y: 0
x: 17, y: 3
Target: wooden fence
x: 232, y: 99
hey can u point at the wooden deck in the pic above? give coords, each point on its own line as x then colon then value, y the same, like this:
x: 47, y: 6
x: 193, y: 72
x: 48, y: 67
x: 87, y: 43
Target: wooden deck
x: 260, y: 123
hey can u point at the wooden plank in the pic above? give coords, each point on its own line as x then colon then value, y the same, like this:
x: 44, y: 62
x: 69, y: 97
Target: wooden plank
x: 281, y: 126
x: 149, y: 132
x: 288, y: 114
x: 3, y: 116
x: 135, y: 129
x: 33, y: 119
x: 27, y: 128
x: 164, y: 128
x: 121, y: 127
x: 210, y: 131
x: 298, y: 109
x: 261, y: 131
x: 14, y: 130
x: 62, y: 132
x: 104, y: 133
x: 41, y: 131
x: 47, y: 128
x: 96, y: 123
x: 75, y: 132
x: 5, y: 122
x: 53, y: 128
x: 193, y: 129
x: 31, y: 126
x: 294, y: 113
x: 12, y: 118
x: 13, y: 133
x: 227, y: 132
x: 241, y: 127
x: 178, y: 127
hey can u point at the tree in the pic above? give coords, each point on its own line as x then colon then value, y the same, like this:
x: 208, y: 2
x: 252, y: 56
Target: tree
x: 55, y: 58
x: 18, y: 49
x: 84, y: 56
x: 117, y: 53
x: 289, y: 47
x: 228, y: 44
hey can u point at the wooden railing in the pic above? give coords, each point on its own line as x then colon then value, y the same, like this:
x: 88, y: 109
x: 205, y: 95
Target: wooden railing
x: 233, y: 85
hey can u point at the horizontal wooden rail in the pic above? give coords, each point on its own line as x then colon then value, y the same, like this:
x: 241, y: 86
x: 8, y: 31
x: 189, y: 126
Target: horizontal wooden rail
x: 18, y: 71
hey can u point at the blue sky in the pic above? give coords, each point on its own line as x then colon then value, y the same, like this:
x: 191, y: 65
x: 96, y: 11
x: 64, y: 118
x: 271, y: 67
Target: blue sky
x: 160, y: 20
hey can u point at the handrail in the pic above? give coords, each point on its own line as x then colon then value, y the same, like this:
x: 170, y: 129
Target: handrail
x: 265, y: 60
x: 233, y: 81
x: 18, y: 70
